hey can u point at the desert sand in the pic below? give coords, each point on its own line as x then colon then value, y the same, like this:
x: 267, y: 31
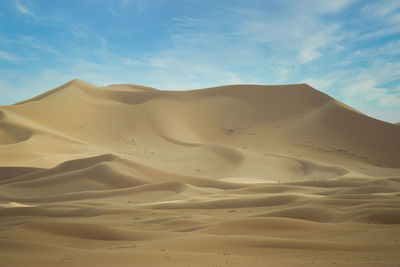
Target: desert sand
x: 240, y: 175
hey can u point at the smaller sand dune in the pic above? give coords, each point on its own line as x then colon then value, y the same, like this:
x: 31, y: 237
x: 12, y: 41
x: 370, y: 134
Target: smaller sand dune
x: 11, y: 133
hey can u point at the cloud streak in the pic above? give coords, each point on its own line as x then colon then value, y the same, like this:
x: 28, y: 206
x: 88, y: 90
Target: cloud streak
x: 23, y: 9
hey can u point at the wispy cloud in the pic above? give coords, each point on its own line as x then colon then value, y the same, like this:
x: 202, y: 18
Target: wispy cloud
x: 34, y: 43
x: 328, y: 6
x: 381, y: 9
x: 23, y: 9
x: 302, y: 31
x: 313, y: 45
x: 367, y: 85
x: 138, y: 6
x: 8, y: 57
x: 364, y: 88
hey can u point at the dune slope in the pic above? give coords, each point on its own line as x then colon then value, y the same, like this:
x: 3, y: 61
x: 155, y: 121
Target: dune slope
x: 244, y: 175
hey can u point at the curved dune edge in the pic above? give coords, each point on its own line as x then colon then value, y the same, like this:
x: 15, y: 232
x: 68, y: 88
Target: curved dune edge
x: 244, y: 175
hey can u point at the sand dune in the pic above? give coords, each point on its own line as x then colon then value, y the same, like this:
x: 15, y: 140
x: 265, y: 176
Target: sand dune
x: 244, y: 175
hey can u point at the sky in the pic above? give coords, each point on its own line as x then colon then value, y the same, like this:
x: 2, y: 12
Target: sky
x: 349, y: 49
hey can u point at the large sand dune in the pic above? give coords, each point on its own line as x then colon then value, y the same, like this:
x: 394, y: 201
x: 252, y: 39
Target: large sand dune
x: 241, y: 175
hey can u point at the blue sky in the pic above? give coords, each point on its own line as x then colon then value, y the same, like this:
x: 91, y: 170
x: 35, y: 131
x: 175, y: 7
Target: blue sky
x: 349, y: 49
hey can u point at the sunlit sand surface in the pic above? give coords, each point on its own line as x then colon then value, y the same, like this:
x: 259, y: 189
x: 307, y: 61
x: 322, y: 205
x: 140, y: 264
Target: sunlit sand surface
x: 242, y: 175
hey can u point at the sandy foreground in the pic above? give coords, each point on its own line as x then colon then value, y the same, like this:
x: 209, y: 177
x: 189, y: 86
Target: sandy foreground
x: 242, y: 175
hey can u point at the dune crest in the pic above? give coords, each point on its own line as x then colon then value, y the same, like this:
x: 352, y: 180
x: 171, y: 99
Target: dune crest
x: 245, y: 174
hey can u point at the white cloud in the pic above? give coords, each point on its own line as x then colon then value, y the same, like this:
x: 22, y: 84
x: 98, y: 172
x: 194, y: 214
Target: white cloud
x: 299, y: 27
x: 139, y: 6
x: 124, y: 2
x: 381, y: 32
x: 186, y: 22
x: 320, y: 84
x: 34, y: 43
x: 23, y: 9
x: 381, y: 9
x: 392, y: 116
x: 384, y: 12
x: 177, y: 70
x: 308, y: 53
x: 395, y: 18
x: 329, y: 6
x: 7, y: 56
x: 364, y: 87
x: 5, y: 41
